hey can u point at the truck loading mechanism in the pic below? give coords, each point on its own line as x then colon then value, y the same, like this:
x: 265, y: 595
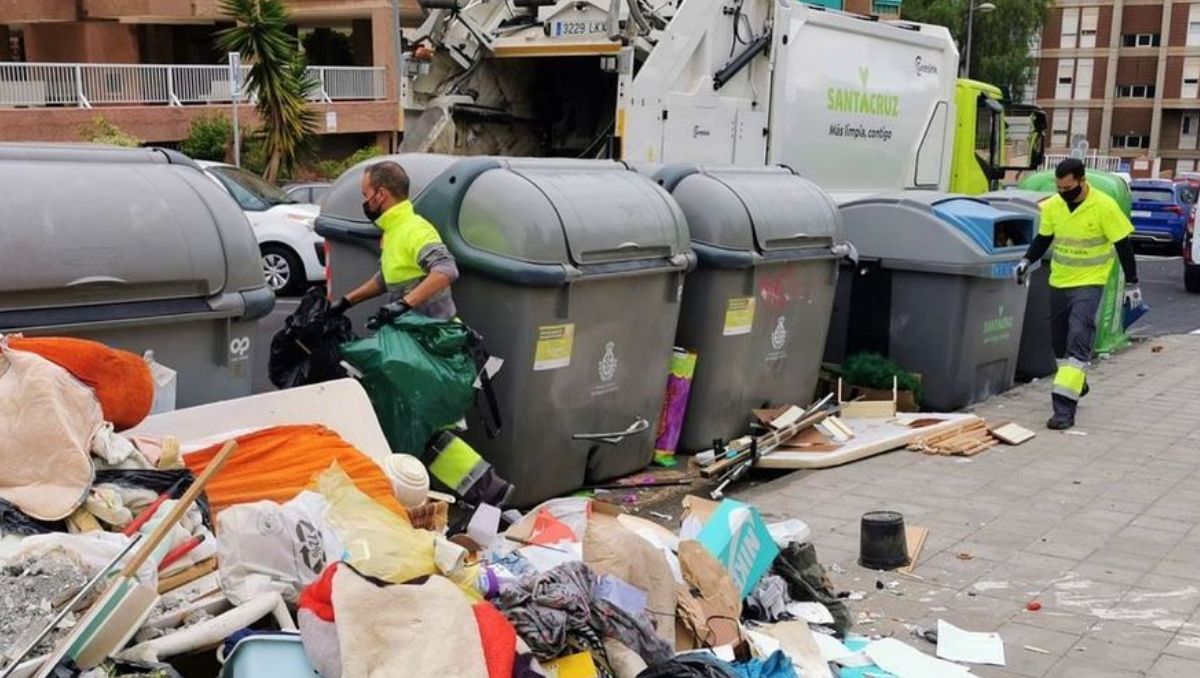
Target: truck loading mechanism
x: 854, y: 104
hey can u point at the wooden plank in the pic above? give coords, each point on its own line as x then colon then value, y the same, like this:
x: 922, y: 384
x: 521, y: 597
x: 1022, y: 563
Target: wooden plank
x: 1012, y: 434
x: 185, y: 577
x: 915, y: 537
x: 872, y: 437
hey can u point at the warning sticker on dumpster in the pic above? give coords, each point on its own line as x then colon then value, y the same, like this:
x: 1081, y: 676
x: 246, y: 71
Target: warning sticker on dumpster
x: 739, y: 316
x: 554, y: 346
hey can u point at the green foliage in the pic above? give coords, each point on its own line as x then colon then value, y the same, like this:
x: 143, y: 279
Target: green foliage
x: 327, y: 47
x: 332, y: 169
x: 875, y: 371
x: 101, y: 131
x: 1000, y: 47
x: 277, y: 80
x: 209, y: 138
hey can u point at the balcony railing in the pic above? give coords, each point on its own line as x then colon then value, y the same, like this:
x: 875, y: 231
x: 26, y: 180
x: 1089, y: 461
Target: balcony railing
x: 89, y: 85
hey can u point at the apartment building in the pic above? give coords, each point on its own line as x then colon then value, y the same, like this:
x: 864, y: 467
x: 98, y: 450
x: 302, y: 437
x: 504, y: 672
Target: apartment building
x: 152, y: 66
x: 884, y: 9
x: 1123, y: 75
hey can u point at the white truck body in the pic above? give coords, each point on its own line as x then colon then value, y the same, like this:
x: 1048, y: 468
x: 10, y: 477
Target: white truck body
x: 856, y: 105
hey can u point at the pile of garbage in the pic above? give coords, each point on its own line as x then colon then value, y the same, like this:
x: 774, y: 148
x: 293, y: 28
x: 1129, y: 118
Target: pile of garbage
x: 131, y: 554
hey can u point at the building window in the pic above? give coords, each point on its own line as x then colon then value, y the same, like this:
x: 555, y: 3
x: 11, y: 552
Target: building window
x: 1083, y: 78
x: 885, y: 7
x: 1066, y: 78
x: 1141, y: 40
x: 1070, y: 27
x: 1059, y: 132
x: 1087, y: 27
x: 1190, y: 88
x: 1188, y: 124
x: 1136, y: 91
x: 1185, y: 165
x: 1193, y: 34
x: 1131, y: 141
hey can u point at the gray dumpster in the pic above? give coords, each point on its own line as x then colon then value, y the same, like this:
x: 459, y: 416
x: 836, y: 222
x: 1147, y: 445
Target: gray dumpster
x: 1036, y: 358
x: 756, y: 309
x: 572, y: 271
x: 351, y: 241
x: 135, y: 248
x: 934, y: 291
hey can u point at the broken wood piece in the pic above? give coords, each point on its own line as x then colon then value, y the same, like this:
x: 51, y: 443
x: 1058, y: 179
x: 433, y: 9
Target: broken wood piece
x: 914, y: 537
x: 790, y: 416
x: 185, y: 577
x: 1011, y: 433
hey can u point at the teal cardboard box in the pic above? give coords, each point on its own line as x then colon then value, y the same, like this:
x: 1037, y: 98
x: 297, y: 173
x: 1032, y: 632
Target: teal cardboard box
x: 737, y: 536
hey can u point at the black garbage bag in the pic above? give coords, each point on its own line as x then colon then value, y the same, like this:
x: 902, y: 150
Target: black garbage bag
x: 14, y: 521
x: 305, y: 351
x: 696, y: 665
x: 807, y: 582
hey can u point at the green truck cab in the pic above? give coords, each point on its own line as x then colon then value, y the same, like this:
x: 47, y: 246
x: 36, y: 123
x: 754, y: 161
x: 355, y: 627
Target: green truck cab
x: 982, y: 129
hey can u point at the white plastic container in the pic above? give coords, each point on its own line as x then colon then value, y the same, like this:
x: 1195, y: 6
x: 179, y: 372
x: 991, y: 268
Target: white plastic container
x: 410, y: 479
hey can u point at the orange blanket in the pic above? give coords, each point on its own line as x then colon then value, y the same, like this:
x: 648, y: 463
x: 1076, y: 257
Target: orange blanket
x: 279, y: 463
x: 121, y: 380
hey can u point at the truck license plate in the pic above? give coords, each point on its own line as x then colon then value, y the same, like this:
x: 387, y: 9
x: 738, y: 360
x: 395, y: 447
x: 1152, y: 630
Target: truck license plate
x: 561, y: 29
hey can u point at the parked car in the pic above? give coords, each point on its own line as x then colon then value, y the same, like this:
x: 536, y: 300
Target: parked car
x: 293, y: 255
x: 309, y: 192
x: 1191, y: 260
x: 1162, y: 211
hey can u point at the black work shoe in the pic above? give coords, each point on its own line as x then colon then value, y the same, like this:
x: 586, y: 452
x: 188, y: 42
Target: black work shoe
x: 1060, y: 422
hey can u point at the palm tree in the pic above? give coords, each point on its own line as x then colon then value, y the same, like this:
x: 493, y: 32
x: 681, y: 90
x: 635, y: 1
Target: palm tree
x: 277, y: 79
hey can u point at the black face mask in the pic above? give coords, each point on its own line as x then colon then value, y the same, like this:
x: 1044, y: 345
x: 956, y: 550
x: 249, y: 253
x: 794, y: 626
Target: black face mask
x: 1070, y: 196
x: 373, y: 213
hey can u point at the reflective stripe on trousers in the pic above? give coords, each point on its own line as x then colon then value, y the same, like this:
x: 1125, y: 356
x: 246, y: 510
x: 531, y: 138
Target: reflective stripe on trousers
x: 1070, y: 378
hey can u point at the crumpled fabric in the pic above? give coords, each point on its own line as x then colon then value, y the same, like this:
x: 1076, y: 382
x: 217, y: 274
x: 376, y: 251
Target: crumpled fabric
x: 691, y: 665
x: 768, y: 602
x: 778, y: 665
x: 807, y: 582
x: 558, y: 611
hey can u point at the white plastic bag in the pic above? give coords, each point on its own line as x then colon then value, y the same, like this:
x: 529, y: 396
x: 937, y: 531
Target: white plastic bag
x: 265, y: 546
x: 165, y: 383
x: 94, y: 549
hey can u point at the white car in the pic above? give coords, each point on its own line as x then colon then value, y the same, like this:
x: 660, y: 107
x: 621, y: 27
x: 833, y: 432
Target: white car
x: 293, y: 255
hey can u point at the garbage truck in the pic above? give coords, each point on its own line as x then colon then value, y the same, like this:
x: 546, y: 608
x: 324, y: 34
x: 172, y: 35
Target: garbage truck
x: 854, y: 104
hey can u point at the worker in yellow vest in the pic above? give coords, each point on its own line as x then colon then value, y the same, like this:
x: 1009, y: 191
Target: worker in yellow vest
x: 1088, y: 233
x: 416, y: 270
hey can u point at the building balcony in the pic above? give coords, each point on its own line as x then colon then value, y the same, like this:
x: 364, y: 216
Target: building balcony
x: 156, y: 102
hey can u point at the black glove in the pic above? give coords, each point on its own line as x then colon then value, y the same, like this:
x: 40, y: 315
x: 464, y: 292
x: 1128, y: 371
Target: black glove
x: 339, y: 307
x: 387, y: 314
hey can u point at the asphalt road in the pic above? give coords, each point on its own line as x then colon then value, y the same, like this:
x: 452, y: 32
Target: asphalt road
x: 1173, y: 311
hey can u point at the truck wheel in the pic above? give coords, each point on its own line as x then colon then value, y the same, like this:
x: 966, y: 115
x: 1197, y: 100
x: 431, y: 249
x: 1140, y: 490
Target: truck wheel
x: 282, y: 270
x: 1191, y: 278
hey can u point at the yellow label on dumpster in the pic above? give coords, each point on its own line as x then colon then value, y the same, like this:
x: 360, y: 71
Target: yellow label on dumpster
x: 554, y: 345
x: 573, y: 666
x: 739, y: 316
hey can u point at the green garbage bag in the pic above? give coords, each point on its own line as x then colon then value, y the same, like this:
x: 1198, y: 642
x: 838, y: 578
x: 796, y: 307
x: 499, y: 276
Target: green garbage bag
x: 419, y: 373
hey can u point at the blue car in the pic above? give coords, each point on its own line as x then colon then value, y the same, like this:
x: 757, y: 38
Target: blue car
x: 1162, y: 211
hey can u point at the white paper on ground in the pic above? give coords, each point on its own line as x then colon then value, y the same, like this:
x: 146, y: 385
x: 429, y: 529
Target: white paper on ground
x: 545, y: 559
x: 906, y: 661
x: 973, y: 647
x: 484, y: 525
x: 832, y: 649
x: 813, y: 613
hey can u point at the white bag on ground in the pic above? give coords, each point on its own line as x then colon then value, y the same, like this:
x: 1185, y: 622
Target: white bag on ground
x: 94, y: 549
x: 265, y: 546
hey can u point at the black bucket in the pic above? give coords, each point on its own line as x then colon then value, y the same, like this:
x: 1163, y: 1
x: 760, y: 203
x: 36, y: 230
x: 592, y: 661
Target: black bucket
x: 882, y: 544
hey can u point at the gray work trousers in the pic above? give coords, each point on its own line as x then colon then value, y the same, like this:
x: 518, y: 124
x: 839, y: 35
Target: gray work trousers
x: 1073, y: 313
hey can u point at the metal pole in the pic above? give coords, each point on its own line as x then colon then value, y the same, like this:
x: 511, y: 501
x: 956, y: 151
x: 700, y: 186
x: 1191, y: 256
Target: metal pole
x: 970, y: 32
x: 235, y: 95
x: 396, y: 72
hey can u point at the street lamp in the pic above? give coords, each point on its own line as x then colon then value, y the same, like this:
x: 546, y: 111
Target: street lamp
x: 982, y: 8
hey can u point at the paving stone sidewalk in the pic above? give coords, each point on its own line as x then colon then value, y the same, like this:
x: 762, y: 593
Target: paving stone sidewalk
x: 1102, y: 529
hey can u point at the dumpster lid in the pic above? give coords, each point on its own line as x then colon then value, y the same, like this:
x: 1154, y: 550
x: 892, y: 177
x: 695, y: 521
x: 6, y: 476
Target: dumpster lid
x: 763, y: 208
x: 932, y: 227
x: 609, y: 213
x: 344, y: 199
x: 93, y: 226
